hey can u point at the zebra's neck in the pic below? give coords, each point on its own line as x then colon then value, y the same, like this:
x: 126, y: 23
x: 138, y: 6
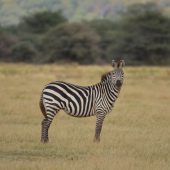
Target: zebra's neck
x: 105, y: 90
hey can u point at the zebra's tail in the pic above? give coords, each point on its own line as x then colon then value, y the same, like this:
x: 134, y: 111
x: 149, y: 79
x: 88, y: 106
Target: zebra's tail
x: 42, y: 106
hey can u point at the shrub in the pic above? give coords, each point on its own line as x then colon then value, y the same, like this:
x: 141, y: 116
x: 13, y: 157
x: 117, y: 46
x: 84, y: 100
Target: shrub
x: 6, y: 42
x: 72, y: 42
x: 23, y: 52
x: 41, y: 22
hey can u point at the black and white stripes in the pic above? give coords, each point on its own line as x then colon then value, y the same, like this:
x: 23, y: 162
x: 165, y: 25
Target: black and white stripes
x: 81, y: 101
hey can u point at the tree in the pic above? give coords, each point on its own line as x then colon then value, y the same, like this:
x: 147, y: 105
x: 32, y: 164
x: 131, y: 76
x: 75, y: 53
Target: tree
x: 72, y: 42
x: 6, y: 43
x: 104, y: 28
x: 23, y: 52
x: 143, y: 36
x: 42, y: 21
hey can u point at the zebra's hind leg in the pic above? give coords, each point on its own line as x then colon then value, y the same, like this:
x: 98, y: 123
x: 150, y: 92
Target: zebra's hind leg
x: 46, y: 124
x: 44, y: 130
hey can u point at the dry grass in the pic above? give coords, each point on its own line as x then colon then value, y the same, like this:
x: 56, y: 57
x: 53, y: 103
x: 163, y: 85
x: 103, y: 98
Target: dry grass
x: 135, y: 136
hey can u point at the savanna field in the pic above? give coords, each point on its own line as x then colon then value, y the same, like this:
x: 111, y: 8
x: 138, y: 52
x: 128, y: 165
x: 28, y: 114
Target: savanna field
x: 135, y: 135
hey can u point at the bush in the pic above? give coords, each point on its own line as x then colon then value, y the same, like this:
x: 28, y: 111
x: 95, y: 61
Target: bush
x: 106, y: 30
x: 72, y: 42
x: 41, y: 22
x: 6, y: 42
x: 23, y: 52
x: 141, y: 36
x: 144, y: 35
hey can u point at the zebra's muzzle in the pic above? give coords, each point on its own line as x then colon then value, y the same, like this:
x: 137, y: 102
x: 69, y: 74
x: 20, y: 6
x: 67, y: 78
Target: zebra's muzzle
x: 118, y: 83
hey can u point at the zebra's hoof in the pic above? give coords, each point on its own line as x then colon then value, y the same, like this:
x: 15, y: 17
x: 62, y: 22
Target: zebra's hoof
x: 96, y: 140
x: 44, y: 141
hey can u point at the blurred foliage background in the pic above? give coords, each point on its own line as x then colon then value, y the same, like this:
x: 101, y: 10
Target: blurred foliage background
x: 85, y: 32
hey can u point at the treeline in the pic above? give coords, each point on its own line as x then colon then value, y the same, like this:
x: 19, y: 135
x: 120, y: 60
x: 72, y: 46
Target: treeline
x: 141, y: 36
x: 75, y: 10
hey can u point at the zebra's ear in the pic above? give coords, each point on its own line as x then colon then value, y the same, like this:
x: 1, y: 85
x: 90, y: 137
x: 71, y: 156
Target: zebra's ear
x: 114, y: 64
x: 122, y: 63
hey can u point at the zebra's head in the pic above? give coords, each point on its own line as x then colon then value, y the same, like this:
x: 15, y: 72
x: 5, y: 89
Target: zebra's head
x: 118, y: 74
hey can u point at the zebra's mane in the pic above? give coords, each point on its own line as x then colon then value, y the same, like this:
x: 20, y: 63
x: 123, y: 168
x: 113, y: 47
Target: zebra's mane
x: 105, y: 76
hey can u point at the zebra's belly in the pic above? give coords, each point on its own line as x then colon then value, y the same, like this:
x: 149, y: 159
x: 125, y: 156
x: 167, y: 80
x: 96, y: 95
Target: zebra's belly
x: 80, y: 112
x: 79, y: 116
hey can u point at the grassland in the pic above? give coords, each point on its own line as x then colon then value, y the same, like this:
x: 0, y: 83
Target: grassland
x: 135, y: 136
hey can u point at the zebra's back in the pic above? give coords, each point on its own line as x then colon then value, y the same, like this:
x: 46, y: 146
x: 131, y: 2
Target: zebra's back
x: 75, y: 100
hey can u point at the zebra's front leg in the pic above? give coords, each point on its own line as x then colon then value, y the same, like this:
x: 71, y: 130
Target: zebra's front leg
x: 99, y: 123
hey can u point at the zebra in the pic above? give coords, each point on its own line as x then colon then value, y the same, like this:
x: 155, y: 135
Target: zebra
x: 82, y: 101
